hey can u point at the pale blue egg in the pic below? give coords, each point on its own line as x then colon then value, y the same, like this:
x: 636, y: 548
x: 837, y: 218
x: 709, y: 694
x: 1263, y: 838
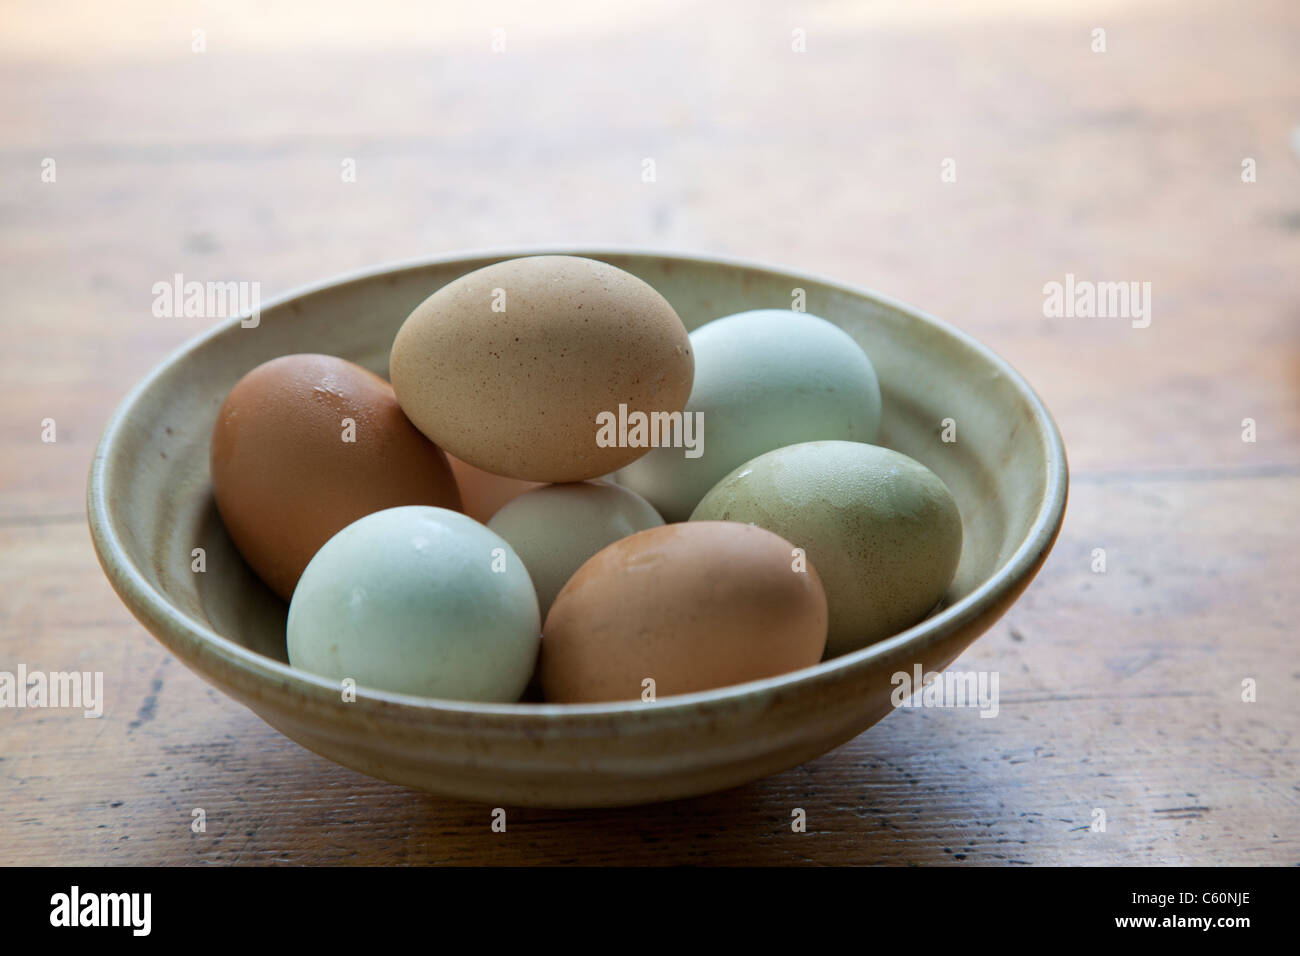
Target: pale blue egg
x: 763, y: 380
x: 418, y: 600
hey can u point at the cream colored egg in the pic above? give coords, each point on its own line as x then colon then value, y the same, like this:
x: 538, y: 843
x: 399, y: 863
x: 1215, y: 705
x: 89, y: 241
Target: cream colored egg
x: 556, y: 528
x: 482, y: 493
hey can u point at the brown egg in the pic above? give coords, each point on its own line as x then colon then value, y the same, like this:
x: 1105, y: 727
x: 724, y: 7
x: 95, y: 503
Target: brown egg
x: 482, y: 493
x: 689, y: 606
x: 287, y: 479
x: 509, y: 367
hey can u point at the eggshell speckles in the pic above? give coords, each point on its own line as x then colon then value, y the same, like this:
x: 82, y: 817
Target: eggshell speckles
x: 882, y: 529
x: 763, y: 380
x: 556, y: 528
x: 508, y: 367
x: 286, y: 479
x: 417, y: 601
x: 689, y: 606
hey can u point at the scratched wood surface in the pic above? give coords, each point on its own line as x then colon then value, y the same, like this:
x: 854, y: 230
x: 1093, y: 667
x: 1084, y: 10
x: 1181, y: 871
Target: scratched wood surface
x: 1121, y: 691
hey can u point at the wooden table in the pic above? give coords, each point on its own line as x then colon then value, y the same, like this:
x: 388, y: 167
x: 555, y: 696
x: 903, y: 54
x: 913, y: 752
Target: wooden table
x: 1121, y: 691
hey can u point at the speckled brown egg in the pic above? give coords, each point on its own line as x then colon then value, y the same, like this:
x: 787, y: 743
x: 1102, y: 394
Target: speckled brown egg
x: 303, y: 446
x: 509, y: 367
x: 689, y: 607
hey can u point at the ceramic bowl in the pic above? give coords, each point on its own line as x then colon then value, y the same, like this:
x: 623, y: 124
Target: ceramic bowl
x: 150, y: 505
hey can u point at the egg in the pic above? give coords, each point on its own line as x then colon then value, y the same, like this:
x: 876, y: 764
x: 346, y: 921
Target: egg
x: 763, y: 379
x: 882, y: 529
x: 511, y: 367
x: 682, y: 608
x: 482, y: 494
x: 556, y: 528
x: 417, y: 600
x: 303, y: 446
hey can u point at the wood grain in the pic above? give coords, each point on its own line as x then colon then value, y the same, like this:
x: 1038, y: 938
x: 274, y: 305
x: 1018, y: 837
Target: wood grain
x: 1120, y: 691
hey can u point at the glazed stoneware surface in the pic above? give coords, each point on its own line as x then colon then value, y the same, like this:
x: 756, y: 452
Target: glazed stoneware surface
x: 150, y: 505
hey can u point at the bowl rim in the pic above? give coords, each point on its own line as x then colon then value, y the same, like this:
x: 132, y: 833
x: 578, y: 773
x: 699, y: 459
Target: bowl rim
x: 172, y: 627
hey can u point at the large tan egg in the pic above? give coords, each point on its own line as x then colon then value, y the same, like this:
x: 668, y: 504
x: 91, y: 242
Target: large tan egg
x: 305, y: 445
x: 689, y: 606
x: 509, y: 367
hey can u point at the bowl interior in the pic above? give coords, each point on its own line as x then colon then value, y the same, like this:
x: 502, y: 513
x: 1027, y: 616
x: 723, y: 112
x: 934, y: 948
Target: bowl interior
x: 935, y: 383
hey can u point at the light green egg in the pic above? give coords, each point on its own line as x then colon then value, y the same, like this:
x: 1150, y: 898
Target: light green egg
x: 882, y: 530
x: 763, y: 379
